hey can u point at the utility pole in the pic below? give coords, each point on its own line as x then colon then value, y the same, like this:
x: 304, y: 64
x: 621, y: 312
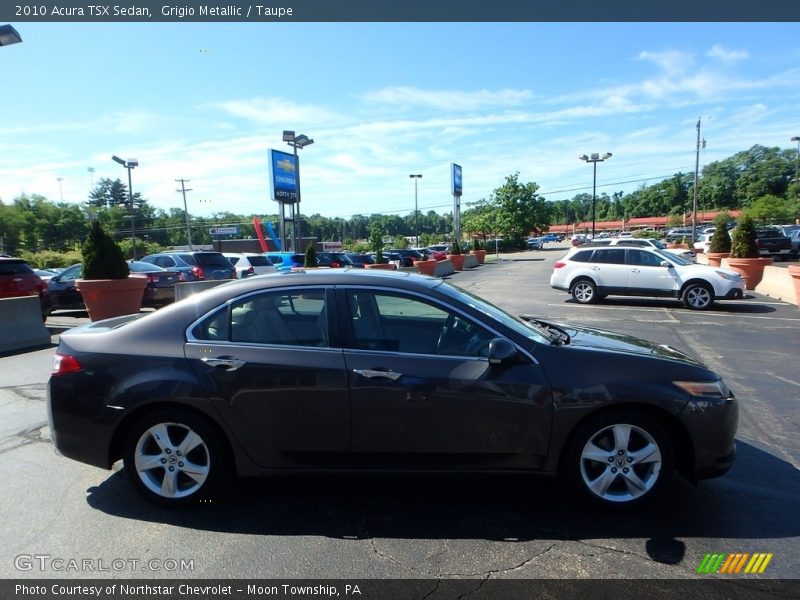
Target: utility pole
x: 696, y: 176
x: 183, y: 190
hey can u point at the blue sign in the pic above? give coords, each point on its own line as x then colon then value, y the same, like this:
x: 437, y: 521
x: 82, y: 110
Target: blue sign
x: 283, y: 176
x: 456, y: 179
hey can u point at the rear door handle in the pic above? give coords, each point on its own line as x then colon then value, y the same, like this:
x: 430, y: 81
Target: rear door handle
x: 377, y: 373
x: 226, y: 363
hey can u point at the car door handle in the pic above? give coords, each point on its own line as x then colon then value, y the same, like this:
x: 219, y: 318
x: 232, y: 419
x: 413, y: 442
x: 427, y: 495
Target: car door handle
x: 377, y: 373
x: 595, y: 268
x: 226, y: 363
x: 635, y: 271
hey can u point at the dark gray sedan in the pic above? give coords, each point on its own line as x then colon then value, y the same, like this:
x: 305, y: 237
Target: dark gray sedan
x: 379, y: 371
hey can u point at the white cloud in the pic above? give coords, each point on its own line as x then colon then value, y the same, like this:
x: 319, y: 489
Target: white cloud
x: 727, y: 56
x: 448, y: 99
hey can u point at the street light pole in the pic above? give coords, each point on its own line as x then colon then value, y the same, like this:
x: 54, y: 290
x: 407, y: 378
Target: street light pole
x: 130, y: 164
x: 594, y: 159
x: 797, y: 162
x: 416, y: 178
x: 296, y: 141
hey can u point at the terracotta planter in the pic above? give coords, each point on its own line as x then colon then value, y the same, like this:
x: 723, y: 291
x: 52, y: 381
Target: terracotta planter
x: 426, y: 267
x: 794, y: 271
x: 106, y: 298
x: 457, y: 260
x: 480, y: 254
x: 715, y: 258
x: 385, y: 266
x: 752, y: 269
x: 677, y: 246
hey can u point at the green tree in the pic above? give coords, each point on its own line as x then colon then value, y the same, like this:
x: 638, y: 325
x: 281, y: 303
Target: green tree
x: 743, y: 244
x: 519, y: 209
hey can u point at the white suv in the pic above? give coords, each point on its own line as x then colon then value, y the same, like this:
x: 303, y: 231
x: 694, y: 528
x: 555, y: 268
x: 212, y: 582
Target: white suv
x: 592, y: 273
x: 648, y: 242
x: 248, y: 264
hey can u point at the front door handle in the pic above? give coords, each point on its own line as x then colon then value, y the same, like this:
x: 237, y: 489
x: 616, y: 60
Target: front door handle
x: 226, y: 363
x: 377, y: 373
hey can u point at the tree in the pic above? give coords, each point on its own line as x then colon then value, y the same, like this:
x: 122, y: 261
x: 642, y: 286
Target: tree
x: 772, y: 209
x: 743, y: 244
x: 519, y: 209
x: 480, y: 219
x: 721, y: 239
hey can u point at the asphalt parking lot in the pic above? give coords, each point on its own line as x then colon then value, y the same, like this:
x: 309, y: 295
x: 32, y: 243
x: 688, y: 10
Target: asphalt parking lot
x: 436, y: 527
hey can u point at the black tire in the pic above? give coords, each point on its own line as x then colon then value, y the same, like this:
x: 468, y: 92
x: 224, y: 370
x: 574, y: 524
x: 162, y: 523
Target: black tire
x: 698, y: 296
x: 584, y: 291
x: 187, y: 467
x: 610, y: 468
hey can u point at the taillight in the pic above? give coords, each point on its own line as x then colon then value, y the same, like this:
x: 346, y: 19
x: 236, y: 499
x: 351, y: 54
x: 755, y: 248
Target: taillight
x: 198, y: 273
x: 758, y: 243
x: 335, y: 264
x: 63, y: 364
x: 558, y: 264
x: 152, y: 278
x: 249, y: 272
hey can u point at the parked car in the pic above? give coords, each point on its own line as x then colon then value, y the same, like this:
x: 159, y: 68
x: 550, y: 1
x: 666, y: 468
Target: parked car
x: 286, y: 261
x: 679, y: 233
x: 592, y: 273
x: 646, y: 243
x: 794, y: 238
x: 364, y: 370
x: 195, y: 266
x: 248, y: 264
x: 407, y: 256
x: 703, y: 243
x: 534, y: 243
x: 17, y: 280
x: 329, y: 259
x: 439, y: 251
x: 356, y: 261
x: 771, y: 241
x: 160, y: 289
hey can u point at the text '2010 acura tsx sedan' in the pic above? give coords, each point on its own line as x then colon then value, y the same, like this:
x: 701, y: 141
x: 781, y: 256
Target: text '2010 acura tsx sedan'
x: 379, y: 371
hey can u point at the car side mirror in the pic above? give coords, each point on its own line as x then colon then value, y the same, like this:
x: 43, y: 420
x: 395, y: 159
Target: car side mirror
x: 501, y: 351
x: 56, y: 278
x: 667, y: 264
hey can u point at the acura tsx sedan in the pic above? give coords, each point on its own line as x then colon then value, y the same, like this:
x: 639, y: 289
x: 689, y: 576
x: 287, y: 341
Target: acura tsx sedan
x: 379, y: 371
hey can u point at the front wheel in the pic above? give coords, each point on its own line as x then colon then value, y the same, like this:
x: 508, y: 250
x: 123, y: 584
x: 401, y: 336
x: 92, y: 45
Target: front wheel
x: 584, y: 291
x: 619, y: 459
x: 174, y: 458
x: 698, y: 296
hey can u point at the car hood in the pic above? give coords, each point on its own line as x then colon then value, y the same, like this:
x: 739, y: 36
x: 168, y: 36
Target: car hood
x: 607, y: 341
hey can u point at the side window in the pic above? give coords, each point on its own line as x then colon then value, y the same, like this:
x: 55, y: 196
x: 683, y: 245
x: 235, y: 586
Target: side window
x: 644, y: 259
x: 296, y: 318
x: 610, y: 256
x: 583, y: 256
x: 398, y: 323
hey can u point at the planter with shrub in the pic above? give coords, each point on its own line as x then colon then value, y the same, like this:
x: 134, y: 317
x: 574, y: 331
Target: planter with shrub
x: 744, y: 256
x: 720, y: 246
x: 456, y: 257
x: 106, y: 286
x: 478, y: 252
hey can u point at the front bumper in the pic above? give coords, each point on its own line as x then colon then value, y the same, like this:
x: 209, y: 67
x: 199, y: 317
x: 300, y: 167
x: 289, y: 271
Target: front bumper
x: 711, y: 424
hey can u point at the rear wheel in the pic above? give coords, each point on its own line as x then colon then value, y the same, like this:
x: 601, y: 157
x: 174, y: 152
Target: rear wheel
x: 698, y: 296
x: 174, y: 458
x: 619, y: 459
x: 584, y: 291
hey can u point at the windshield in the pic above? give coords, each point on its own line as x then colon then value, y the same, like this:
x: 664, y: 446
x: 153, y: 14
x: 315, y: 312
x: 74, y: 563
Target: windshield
x: 674, y: 258
x: 516, y: 324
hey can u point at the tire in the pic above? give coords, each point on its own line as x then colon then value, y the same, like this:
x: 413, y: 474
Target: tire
x: 698, y: 296
x: 584, y: 291
x: 619, y: 459
x: 173, y: 458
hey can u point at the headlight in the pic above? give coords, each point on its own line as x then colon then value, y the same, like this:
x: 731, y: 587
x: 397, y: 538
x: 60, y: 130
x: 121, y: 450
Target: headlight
x: 705, y: 389
x: 730, y: 276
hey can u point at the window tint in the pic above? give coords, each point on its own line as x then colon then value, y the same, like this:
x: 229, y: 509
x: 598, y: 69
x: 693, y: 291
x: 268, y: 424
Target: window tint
x: 212, y: 259
x: 610, y: 256
x: 14, y: 267
x: 644, y: 259
x: 233, y: 259
x: 259, y: 261
x: 399, y: 323
x: 188, y: 259
x: 583, y: 256
x: 286, y: 318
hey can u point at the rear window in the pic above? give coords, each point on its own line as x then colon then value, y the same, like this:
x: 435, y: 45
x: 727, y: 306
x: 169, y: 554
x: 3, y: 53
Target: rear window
x: 212, y: 259
x: 582, y: 256
x: 259, y: 261
x: 14, y: 267
x: 611, y: 256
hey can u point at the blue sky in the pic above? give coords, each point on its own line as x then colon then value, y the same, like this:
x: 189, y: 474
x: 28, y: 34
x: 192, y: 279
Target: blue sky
x: 206, y: 102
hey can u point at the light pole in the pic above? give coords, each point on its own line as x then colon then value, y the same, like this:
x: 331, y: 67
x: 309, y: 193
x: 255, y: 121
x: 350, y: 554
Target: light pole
x: 296, y: 142
x: 594, y: 159
x: 416, y: 178
x: 9, y: 35
x: 130, y: 164
x: 184, y: 189
x: 797, y: 162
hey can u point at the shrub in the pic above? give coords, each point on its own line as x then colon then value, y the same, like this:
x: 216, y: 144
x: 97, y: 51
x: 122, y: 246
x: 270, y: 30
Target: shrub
x: 743, y: 244
x: 721, y: 239
x: 455, y: 248
x: 311, y: 256
x: 476, y: 245
x: 102, y: 257
x: 376, y: 243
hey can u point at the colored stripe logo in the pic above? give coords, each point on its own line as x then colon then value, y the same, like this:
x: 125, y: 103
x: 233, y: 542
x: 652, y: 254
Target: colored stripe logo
x: 735, y: 564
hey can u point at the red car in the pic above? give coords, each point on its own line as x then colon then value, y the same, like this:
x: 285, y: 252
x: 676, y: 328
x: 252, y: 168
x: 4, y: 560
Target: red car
x: 17, y: 279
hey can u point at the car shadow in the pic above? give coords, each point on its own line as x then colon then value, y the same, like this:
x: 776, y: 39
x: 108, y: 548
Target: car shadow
x: 759, y: 498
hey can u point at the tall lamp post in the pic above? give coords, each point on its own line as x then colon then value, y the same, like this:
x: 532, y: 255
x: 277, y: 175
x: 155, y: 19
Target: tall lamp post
x: 416, y: 178
x: 594, y: 159
x: 296, y: 142
x: 183, y: 190
x: 797, y: 162
x: 9, y: 35
x: 130, y: 164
